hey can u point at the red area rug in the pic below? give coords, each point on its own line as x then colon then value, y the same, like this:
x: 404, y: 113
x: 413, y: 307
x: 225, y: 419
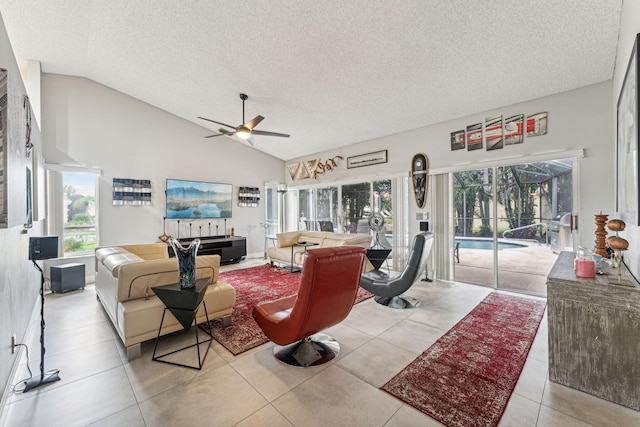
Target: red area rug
x: 466, y: 377
x: 254, y: 285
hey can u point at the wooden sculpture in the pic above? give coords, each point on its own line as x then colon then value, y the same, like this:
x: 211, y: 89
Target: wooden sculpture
x: 420, y: 178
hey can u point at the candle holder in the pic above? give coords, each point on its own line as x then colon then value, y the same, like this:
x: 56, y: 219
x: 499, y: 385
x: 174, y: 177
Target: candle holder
x: 164, y: 238
x: 601, y: 234
x: 618, y: 280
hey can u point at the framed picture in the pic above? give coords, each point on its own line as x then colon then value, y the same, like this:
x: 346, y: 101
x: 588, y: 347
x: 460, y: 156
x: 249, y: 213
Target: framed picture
x: 493, y: 132
x: 367, y: 159
x: 513, y: 129
x: 28, y: 223
x: 627, y: 143
x: 474, y: 137
x: 457, y: 140
x: 537, y: 124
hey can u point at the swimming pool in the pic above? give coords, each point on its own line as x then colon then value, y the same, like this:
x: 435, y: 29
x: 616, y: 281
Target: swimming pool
x: 485, y: 243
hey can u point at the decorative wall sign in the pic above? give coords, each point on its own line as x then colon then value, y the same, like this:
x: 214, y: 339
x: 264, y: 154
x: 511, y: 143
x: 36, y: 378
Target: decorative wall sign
x: 420, y: 178
x: 627, y: 142
x: 474, y: 137
x: 298, y: 171
x: 312, y: 168
x: 457, y: 140
x: 367, y: 159
x: 537, y: 124
x: 513, y: 130
x: 329, y: 165
x: 493, y: 132
x: 131, y: 192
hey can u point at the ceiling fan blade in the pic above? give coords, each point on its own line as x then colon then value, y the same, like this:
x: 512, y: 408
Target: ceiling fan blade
x: 226, y: 132
x: 213, y: 136
x: 219, y: 123
x: 253, y: 122
x: 251, y: 142
x: 266, y: 133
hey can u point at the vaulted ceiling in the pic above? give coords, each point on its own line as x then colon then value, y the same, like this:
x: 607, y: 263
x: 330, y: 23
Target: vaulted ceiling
x: 330, y: 73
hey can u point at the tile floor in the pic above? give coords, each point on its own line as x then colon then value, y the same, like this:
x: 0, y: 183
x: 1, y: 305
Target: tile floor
x: 99, y: 387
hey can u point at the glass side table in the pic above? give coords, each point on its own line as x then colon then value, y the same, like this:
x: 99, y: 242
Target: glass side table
x: 303, y: 245
x: 183, y: 304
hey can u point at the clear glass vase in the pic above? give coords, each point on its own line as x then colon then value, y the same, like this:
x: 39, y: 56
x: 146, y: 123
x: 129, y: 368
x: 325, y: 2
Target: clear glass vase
x: 186, y: 262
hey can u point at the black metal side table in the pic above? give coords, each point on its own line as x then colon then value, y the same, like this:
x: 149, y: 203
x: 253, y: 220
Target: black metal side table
x: 304, y: 245
x: 183, y: 304
x: 378, y: 256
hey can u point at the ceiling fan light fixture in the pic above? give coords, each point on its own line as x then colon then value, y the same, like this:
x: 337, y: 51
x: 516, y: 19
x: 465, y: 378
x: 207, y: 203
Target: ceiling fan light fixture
x: 244, y: 133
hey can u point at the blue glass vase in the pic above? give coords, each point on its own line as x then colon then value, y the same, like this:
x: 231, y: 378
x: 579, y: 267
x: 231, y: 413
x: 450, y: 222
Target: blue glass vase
x: 186, y: 262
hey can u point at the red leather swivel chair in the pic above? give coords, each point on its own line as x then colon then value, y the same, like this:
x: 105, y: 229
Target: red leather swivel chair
x: 328, y: 288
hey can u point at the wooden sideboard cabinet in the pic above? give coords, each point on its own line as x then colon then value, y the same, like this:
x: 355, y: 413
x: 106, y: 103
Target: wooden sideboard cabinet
x: 594, y: 333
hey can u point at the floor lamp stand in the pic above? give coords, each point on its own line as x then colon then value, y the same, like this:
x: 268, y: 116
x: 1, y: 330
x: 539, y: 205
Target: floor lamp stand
x: 51, y: 376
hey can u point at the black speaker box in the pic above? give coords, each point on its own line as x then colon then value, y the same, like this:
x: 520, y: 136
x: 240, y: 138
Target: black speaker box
x: 43, y: 248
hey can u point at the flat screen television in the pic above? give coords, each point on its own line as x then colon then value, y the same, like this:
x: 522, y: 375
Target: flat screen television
x: 197, y: 199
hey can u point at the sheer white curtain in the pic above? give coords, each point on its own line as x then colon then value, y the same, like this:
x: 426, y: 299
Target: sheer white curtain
x: 442, y: 226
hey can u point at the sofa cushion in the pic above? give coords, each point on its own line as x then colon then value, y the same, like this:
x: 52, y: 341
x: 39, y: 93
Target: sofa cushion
x: 114, y: 261
x: 288, y: 238
x: 141, y: 317
x: 329, y: 243
x: 148, y: 250
x: 281, y: 254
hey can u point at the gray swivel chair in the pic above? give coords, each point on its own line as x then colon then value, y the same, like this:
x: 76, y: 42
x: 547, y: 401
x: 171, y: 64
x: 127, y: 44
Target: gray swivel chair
x: 389, y: 288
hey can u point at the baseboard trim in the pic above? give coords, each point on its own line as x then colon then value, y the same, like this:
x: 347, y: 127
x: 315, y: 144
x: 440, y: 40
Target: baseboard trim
x: 8, y: 389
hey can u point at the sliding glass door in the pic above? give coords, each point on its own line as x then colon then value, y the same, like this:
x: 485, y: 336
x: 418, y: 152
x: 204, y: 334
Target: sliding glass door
x: 474, y: 226
x: 356, y: 207
x: 502, y: 224
x: 327, y: 208
x: 530, y: 197
x: 347, y: 209
x: 307, y: 208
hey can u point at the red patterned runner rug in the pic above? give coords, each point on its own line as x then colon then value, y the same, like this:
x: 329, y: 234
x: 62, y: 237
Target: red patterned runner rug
x: 254, y: 285
x: 466, y: 377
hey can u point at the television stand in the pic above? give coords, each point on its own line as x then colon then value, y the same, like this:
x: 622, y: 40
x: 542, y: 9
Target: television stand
x: 230, y: 249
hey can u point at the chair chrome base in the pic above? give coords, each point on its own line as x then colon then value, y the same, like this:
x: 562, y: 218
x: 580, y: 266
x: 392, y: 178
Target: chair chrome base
x: 398, y: 301
x: 311, y: 351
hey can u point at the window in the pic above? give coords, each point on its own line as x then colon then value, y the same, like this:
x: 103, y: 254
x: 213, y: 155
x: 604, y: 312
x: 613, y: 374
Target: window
x: 356, y: 207
x: 327, y: 208
x: 79, y: 212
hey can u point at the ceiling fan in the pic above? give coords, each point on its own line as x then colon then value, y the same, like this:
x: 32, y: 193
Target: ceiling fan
x: 246, y: 129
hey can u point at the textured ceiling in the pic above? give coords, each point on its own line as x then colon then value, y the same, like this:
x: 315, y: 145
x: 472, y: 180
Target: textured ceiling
x: 330, y: 73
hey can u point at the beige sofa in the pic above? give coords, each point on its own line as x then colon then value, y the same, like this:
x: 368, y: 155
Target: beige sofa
x: 281, y: 253
x: 125, y: 276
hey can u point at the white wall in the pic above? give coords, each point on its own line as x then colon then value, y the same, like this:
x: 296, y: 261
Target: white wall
x: 578, y: 119
x: 629, y: 27
x: 102, y: 128
x: 19, y: 281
